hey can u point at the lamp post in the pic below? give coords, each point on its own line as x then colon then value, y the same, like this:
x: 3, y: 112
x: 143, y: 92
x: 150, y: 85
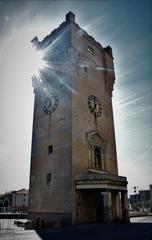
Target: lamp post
x: 136, y: 191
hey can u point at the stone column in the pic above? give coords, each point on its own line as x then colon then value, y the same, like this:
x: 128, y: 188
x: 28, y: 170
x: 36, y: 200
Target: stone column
x: 108, y: 207
x: 124, y: 203
x: 75, y: 209
x: 92, y: 157
x: 118, y: 213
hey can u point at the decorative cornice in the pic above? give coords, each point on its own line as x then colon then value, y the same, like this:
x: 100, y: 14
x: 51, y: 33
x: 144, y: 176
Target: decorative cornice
x: 90, y: 177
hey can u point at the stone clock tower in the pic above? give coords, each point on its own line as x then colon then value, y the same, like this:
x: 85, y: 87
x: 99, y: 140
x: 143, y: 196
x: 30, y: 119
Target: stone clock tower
x: 74, y: 174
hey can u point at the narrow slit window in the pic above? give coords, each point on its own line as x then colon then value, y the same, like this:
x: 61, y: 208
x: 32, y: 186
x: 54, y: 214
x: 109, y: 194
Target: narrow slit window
x: 97, y: 157
x: 48, y: 178
x: 85, y: 69
x: 50, y: 149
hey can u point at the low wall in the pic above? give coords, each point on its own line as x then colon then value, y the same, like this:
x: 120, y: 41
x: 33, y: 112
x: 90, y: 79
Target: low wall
x: 139, y: 214
x: 13, y: 215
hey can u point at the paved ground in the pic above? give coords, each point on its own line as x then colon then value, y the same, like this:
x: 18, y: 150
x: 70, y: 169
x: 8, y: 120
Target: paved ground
x: 140, y: 228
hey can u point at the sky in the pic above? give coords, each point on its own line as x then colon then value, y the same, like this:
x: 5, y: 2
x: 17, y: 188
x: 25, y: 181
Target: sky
x: 124, y: 25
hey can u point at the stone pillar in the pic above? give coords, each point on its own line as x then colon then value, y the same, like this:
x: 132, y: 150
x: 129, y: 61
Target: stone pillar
x: 75, y: 209
x: 124, y: 203
x: 92, y: 157
x: 109, y: 199
x: 89, y: 159
x: 118, y: 213
x: 107, y: 207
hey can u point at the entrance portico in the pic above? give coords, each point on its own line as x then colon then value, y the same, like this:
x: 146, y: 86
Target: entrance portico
x: 101, y: 198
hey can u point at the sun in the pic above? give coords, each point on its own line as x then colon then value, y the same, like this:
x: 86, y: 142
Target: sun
x: 37, y: 61
x: 33, y: 59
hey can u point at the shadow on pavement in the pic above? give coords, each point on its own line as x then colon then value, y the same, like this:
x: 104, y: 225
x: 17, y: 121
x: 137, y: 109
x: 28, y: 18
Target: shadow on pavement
x: 140, y: 231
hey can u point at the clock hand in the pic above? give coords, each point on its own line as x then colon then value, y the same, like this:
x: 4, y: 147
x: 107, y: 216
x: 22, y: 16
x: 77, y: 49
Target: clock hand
x: 50, y: 105
x: 95, y: 105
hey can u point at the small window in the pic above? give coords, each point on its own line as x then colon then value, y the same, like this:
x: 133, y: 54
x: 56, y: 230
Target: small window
x: 48, y: 178
x: 85, y: 69
x: 90, y: 50
x: 97, y: 157
x: 50, y: 149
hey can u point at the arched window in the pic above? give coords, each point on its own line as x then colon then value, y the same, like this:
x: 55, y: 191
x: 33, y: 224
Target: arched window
x: 97, y: 157
x: 96, y: 152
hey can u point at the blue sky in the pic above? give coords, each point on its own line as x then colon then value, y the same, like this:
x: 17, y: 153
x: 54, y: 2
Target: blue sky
x: 127, y: 27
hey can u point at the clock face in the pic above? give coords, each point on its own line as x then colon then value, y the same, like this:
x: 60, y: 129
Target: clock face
x: 94, y: 105
x: 50, y: 103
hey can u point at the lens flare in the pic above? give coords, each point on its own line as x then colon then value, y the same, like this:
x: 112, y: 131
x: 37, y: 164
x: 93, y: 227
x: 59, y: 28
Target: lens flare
x: 37, y: 61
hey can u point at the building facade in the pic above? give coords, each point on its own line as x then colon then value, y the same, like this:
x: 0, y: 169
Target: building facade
x: 150, y: 191
x: 142, y: 200
x: 74, y: 173
x: 20, y: 200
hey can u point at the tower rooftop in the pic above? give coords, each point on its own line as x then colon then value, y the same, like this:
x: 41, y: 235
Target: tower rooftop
x: 70, y: 18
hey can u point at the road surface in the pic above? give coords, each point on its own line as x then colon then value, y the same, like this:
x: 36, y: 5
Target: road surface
x: 140, y: 228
